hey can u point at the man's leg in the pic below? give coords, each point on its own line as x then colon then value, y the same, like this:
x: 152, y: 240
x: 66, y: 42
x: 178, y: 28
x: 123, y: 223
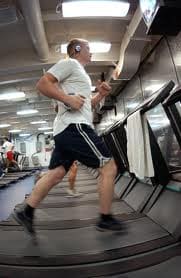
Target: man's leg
x: 44, y: 185
x: 106, y: 186
x: 7, y: 165
x: 72, y: 178
x: 106, y: 190
x: 72, y: 182
x: 15, y: 164
x: 25, y: 215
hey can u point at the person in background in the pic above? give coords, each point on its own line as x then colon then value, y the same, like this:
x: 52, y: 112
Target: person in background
x: 72, y: 174
x: 75, y: 138
x: 7, y: 145
x: 8, y: 148
x: 11, y: 162
x: 1, y: 171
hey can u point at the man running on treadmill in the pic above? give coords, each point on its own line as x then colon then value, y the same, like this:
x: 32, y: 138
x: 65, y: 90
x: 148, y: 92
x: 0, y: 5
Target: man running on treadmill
x: 75, y: 138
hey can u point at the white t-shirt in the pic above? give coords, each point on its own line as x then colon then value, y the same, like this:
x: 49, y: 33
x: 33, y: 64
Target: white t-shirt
x: 73, y: 79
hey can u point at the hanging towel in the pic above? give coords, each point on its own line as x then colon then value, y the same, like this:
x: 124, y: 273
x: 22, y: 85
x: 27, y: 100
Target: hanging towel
x: 138, y: 146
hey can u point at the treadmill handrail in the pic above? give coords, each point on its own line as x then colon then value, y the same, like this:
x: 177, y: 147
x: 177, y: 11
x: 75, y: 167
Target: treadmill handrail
x: 162, y: 94
x: 174, y: 97
x: 158, y: 97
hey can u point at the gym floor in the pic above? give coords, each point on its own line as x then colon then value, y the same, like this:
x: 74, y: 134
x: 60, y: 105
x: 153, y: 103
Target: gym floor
x: 14, y: 194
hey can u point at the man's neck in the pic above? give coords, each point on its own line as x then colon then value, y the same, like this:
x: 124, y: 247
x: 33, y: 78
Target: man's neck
x: 81, y: 62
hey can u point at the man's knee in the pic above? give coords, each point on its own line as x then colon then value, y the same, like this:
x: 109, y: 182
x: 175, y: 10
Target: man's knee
x: 110, y: 168
x: 58, y: 173
x: 53, y: 175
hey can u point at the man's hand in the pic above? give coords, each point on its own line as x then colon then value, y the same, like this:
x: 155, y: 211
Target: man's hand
x: 75, y: 101
x: 103, y: 88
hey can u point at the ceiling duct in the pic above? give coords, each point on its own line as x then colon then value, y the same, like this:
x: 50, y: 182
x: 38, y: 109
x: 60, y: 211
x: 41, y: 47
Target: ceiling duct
x: 32, y: 14
x: 132, y: 45
x: 131, y: 49
x: 8, y: 13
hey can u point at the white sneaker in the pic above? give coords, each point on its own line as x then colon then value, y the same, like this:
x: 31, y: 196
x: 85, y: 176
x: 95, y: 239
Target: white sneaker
x: 73, y: 193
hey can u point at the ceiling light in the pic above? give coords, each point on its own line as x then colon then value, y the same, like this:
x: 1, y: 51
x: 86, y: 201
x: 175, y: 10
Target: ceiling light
x: 99, y: 47
x: 38, y: 122
x: 155, y: 116
x: 15, y: 130
x: 120, y: 115
x: 12, y: 96
x: 24, y: 134
x: 44, y: 128
x: 4, y: 125
x: 95, y: 9
x: 95, y: 47
x: 48, y: 132
x: 132, y: 105
x: 27, y: 111
x: 154, y: 87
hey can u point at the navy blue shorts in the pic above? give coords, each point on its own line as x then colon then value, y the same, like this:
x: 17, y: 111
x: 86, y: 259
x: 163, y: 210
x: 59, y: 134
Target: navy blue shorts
x: 79, y: 142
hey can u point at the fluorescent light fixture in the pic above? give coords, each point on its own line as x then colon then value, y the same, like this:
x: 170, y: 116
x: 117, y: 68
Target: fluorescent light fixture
x: 4, y: 125
x: 155, y: 116
x: 99, y: 47
x: 132, y: 105
x: 48, y: 132
x: 154, y: 87
x: 95, y: 9
x: 120, y: 115
x: 161, y: 122
x: 24, y: 134
x: 44, y: 128
x: 27, y: 111
x: 1, y: 113
x: 12, y: 96
x: 15, y: 130
x: 95, y: 47
x: 38, y: 122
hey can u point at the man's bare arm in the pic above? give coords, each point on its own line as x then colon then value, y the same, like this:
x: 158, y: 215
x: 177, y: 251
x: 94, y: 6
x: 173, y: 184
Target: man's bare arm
x: 47, y: 85
x: 103, y: 91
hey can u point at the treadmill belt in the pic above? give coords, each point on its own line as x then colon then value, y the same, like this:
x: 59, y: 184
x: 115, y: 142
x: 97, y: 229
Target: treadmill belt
x: 75, y: 245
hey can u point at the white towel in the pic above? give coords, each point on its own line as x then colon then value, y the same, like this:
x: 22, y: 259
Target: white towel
x: 138, y: 146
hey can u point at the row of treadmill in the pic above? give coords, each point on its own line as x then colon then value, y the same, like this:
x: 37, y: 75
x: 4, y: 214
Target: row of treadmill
x: 166, y: 176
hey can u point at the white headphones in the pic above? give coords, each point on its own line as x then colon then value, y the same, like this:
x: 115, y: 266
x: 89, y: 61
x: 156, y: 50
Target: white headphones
x: 77, y: 48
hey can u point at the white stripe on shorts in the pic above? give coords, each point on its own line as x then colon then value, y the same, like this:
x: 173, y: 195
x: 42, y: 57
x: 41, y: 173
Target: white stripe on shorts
x: 103, y: 160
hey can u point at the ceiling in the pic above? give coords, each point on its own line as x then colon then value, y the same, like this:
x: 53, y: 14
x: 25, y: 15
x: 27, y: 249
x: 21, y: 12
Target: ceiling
x: 30, y: 45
